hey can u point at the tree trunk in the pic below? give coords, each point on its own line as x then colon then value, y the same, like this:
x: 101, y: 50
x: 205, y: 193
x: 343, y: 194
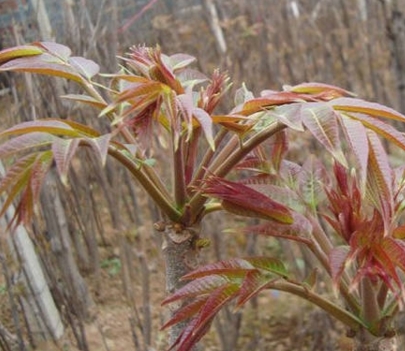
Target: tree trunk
x: 180, y: 258
x: 364, y: 341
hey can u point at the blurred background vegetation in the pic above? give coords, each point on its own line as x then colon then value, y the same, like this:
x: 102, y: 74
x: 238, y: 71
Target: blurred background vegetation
x: 101, y: 262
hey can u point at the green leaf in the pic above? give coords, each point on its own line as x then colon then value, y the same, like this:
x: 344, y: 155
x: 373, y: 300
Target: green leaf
x: 19, y: 51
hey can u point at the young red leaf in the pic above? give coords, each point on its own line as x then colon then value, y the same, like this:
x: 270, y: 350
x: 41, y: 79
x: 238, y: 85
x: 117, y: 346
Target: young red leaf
x: 243, y: 200
x: 232, y: 267
x: 366, y: 107
x: 268, y: 100
x: 254, y: 283
x: 395, y: 251
x: 233, y: 123
x: 205, y: 121
x: 321, y: 121
x: 269, y: 264
x: 17, y: 171
x: 279, y: 148
x: 51, y: 126
x: 185, y: 105
x: 356, y: 135
x: 63, y: 152
x: 24, y: 142
x: 311, y: 180
x: 385, y: 130
x: 399, y: 232
x: 338, y: 257
x: 290, y: 115
x: 29, y: 173
x: 326, y: 91
x: 38, y: 172
x: 55, y: 49
x: 87, y: 68
x: 42, y: 64
x: 197, y: 287
x: 185, y: 312
x: 188, y: 339
x: 180, y: 61
x: 380, y: 177
x: 242, y: 95
x: 86, y: 100
x: 100, y: 146
x: 299, y: 230
x: 212, y: 306
x: 150, y: 89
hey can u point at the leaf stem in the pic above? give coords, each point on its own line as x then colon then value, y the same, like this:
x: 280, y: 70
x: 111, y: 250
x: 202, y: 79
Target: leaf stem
x: 231, y: 155
x: 370, y: 309
x: 347, y: 318
x: 209, y: 154
x: 179, y: 181
x: 129, y: 138
x: 160, y: 198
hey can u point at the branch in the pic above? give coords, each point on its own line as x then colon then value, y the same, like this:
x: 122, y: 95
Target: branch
x: 334, y: 310
x: 162, y: 199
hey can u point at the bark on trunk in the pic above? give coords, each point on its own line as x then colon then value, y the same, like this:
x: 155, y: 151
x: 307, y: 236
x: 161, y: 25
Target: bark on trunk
x: 364, y: 341
x: 180, y: 257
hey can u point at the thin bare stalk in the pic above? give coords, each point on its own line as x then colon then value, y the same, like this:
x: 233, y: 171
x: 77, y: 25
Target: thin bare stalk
x: 370, y: 308
x: 209, y: 154
x: 179, y: 180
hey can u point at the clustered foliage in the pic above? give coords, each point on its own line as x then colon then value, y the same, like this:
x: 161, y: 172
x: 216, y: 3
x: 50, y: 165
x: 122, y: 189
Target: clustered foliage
x: 344, y: 205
